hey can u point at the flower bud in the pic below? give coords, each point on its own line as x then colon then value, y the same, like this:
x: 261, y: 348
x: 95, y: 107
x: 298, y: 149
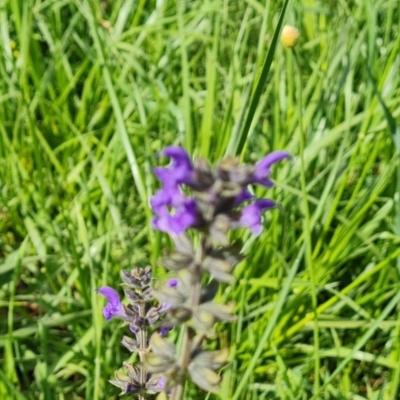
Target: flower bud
x: 289, y: 36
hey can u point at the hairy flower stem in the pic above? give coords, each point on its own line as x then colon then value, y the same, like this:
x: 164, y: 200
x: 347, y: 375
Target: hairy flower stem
x: 142, y: 339
x: 177, y: 391
x: 189, y: 333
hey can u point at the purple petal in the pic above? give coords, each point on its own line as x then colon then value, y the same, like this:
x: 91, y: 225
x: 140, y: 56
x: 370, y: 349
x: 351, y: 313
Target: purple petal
x: 164, y: 330
x: 164, y: 176
x: 114, y: 308
x: 185, y: 217
x: 243, y: 196
x: 272, y: 158
x: 176, y: 222
x: 263, y: 166
x: 162, y: 383
x: 181, y: 168
x: 171, y: 197
x: 164, y: 307
x: 172, y: 283
x: 251, y: 214
x: 177, y: 154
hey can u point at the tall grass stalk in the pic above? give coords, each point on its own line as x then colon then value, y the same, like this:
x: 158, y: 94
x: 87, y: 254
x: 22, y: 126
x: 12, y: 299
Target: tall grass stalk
x: 307, y: 219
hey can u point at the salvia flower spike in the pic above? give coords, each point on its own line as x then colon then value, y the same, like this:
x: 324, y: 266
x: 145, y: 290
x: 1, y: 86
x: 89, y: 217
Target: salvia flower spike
x: 210, y: 202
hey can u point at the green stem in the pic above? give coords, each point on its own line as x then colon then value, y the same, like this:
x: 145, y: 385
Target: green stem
x: 307, y: 226
x: 142, y: 338
x: 184, y: 359
x: 189, y: 333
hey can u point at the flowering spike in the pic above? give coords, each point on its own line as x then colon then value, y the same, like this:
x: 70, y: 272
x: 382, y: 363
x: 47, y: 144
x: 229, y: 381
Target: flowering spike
x: 212, y: 202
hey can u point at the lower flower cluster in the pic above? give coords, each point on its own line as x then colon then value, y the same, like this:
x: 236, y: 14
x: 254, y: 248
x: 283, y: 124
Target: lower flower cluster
x: 142, y: 314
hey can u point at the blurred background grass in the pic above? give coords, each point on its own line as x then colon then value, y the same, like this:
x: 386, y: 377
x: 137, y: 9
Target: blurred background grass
x: 90, y: 90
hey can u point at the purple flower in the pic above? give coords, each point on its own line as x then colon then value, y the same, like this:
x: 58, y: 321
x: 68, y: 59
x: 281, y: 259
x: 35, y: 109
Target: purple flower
x: 243, y: 196
x: 162, y: 383
x: 263, y: 171
x: 175, y: 212
x: 164, y: 330
x: 251, y: 214
x: 114, y: 308
x: 172, y: 283
x: 133, y: 328
x: 166, y: 197
x: 180, y: 171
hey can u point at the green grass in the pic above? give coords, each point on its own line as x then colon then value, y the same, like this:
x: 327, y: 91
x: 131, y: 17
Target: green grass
x: 90, y: 91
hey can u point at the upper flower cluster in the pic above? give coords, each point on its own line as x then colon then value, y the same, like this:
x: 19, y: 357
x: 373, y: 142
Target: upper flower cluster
x: 217, y: 197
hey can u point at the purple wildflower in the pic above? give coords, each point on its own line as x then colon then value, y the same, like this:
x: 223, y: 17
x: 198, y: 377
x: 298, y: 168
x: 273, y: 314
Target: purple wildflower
x: 263, y: 168
x: 166, y: 197
x: 164, y: 330
x: 173, y: 282
x: 251, y: 214
x: 114, y: 308
x: 133, y: 328
x: 162, y: 383
x: 243, y: 196
x: 175, y: 212
x: 180, y: 171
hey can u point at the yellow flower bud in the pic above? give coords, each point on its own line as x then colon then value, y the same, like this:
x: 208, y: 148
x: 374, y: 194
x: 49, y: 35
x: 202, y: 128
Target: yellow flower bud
x: 289, y: 36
